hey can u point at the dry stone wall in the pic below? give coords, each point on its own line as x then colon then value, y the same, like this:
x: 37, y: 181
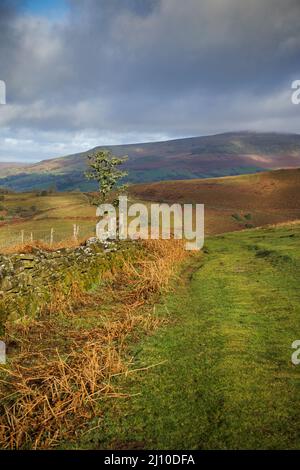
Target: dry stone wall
x: 26, y: 280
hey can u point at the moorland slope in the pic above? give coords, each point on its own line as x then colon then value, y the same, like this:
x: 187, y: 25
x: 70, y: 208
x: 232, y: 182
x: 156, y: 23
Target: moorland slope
x: 233, y: 203
x: 195, y: 157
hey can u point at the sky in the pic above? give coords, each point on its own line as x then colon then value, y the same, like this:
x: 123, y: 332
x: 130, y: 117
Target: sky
x: 56, y: 9
x: 82, y: 73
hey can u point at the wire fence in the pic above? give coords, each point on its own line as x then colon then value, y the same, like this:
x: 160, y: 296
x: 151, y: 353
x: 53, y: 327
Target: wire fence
x: 12, y: 237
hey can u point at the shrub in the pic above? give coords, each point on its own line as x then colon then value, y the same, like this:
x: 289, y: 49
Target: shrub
x: 237, y: 217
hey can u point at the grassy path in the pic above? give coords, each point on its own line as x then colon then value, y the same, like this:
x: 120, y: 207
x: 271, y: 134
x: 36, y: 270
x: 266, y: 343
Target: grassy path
x: 227, y: 380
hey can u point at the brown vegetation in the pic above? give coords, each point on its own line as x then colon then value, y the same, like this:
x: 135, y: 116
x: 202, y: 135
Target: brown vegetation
x: 234, y: 202
x: 62, y: 363
x: 41, y: 245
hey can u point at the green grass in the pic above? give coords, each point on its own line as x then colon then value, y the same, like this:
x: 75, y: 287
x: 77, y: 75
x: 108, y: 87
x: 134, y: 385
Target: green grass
x: 226, y: 380
x: 59, y: 211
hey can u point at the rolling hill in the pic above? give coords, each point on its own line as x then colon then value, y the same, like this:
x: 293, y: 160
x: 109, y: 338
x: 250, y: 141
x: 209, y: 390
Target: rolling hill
x: 195, y: 157
x: 233, y: 202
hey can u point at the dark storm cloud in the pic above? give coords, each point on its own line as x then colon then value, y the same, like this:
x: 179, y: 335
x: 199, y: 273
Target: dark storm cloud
x: 121, y: 70
x: 8, y: 39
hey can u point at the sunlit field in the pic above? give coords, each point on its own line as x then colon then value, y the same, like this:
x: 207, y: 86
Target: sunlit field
x: 27, y: 217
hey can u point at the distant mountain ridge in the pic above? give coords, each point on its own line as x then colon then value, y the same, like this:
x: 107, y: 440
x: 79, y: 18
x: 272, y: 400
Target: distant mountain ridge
x: 226, y: 154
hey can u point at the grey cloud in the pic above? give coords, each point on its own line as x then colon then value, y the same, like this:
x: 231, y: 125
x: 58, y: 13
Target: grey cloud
x: 124, y: 69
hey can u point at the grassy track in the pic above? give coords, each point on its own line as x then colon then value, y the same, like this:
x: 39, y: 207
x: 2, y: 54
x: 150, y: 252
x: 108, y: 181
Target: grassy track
x: 228, y: 381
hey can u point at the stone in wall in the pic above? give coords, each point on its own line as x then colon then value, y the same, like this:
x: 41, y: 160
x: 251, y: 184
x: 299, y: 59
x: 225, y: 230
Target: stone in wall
x: 26, y: 279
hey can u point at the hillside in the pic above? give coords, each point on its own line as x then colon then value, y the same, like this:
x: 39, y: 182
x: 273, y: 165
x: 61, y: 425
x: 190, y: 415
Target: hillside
x: 134, y: 348
x: 195, y: 157
x: 235, y: 202
x: 130, y: 327
x: 27, y: 215
x: 231, y: 203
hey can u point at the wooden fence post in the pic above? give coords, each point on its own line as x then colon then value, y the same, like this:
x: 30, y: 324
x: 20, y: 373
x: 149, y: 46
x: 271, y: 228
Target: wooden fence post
x: 75, y: 232
x: 51, y: 236
x: 22, y: 237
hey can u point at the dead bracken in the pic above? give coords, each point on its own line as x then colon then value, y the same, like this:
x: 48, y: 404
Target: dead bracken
x: 63, y: 362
